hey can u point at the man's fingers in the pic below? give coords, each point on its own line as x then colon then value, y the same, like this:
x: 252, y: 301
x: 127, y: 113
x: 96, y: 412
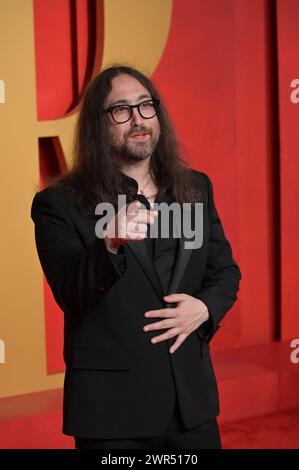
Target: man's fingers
x: 162, y: 312
x: 180, y: 339
x: 132, y: 221
x: 160, y: 325
x: 140, y: 217
x: 132, y: 207
x: 169, y: 334
x: 136, y: 227
x: 136, y: 236
x: 143, y: 215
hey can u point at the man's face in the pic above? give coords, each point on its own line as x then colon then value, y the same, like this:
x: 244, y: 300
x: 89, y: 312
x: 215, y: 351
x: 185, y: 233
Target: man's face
x: 135, y: 139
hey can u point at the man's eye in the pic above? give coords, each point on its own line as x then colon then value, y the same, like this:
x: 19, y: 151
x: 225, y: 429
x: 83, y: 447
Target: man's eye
x: 120, y: 109
x: 147, y: 104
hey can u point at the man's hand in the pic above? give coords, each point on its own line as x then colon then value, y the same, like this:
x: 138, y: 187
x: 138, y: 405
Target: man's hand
x: 130, y: 223
x: 181, y: 321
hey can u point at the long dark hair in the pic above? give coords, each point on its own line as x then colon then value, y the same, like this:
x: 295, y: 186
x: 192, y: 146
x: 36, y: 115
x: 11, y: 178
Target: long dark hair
x: 93, y: 177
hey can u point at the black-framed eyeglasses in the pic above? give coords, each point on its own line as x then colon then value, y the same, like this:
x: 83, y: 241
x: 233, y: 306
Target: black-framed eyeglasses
x: 122, y: 113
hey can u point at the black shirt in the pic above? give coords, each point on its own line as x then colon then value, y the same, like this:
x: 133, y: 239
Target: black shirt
x: 162, y: 250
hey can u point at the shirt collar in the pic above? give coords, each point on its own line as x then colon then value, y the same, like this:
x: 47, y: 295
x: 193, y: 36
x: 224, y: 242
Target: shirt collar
x: 131, y: 182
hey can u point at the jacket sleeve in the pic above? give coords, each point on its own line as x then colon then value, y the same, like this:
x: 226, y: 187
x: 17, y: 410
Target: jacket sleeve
x: 221, y: 280
x: 78, y: 275
x: 119, y: 259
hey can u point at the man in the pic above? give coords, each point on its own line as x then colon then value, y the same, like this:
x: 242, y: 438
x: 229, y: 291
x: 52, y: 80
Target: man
x: 139, y: 311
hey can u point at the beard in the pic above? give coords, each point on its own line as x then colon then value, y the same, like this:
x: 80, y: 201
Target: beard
x: 135, y: 150
x: 138, y: 150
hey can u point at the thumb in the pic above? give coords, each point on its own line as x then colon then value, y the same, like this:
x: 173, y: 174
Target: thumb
x: 132, y: 207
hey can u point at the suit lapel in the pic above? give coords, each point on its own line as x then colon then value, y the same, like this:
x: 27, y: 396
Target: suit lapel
x: 182, y: 259
x: 142, y: 255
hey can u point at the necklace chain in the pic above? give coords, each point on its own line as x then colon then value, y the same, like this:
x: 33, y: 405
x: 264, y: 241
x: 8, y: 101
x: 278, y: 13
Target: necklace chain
x: 142, y: 190
x: 147, y: 183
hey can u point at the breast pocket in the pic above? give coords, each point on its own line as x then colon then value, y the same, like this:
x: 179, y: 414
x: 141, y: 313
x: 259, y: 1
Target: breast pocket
x: 102, y: 359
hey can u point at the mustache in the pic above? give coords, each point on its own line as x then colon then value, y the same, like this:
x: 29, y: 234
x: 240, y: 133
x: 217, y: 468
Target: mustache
x: 139, y: 130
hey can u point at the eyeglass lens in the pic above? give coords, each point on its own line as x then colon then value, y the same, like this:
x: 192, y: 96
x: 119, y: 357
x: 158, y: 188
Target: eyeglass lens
x: 122, y: 113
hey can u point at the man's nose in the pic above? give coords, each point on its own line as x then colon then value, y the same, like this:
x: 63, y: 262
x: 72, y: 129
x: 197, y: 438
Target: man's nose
x: 136, y: 119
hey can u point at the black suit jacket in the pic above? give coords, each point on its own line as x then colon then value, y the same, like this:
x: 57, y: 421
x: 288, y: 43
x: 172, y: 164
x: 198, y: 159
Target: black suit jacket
x: 118, y: 384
